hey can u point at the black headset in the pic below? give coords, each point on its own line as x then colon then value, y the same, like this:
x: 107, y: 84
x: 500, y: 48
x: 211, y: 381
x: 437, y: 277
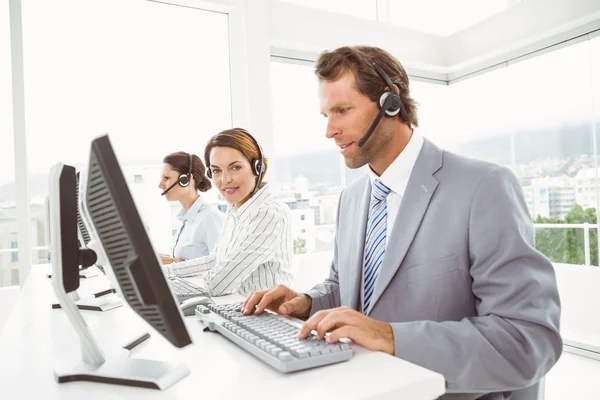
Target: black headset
x: 258, y: 166
x: 389, y: 104
x: 184, y: 179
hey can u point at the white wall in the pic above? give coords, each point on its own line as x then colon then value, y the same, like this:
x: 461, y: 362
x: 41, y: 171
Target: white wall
x: 579, y: 289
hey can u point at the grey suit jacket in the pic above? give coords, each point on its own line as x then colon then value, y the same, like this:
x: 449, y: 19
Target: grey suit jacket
x: 464, y: 289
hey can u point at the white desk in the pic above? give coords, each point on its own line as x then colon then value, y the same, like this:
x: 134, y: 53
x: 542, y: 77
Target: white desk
x: 36, y: 336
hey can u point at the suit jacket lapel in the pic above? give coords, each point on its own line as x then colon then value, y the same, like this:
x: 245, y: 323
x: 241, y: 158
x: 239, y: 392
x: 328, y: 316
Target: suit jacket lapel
x: 359, y: 214
x: 415, y: 201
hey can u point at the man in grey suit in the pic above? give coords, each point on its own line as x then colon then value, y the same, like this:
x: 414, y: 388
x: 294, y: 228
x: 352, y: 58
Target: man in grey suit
x: 434, y: 259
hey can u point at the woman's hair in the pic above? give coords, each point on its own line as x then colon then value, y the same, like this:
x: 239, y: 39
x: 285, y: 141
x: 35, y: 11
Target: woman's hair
x: 180, y: 162
x: 239, y: 139
x: 359, y: 60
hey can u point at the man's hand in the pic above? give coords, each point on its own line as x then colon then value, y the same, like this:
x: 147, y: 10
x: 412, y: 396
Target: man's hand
x: 344, y: 322
x: 279, y: 299
x: 168, y: 259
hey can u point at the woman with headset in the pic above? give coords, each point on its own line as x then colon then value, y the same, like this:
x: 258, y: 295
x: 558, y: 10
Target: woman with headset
x: 254, y: 250
x: 183, y: 177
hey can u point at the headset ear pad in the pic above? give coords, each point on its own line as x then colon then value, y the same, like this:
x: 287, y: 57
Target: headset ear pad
x: 257, y: 167
x: 391, y: 103
x: 184, y: 180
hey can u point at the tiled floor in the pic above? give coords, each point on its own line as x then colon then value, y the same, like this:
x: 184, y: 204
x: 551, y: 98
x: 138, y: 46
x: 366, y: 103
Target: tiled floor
x: 573, y: 378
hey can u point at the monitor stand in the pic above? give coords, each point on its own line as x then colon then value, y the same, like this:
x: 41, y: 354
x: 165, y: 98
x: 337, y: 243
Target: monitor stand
x: 121, y: 369
x: 102, y: 301
x: 114, y: 367
x: 84, y: 272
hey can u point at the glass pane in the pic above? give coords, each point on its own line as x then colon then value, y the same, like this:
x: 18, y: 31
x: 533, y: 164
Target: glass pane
x: 358, y: 8
x: 593, y: 192
x: 477, y: 123
x: 309, y: 166
x: 155, y: 89
x: 8, y: 213
x: 441, y: 17
x: 553, y: 151
x: 431, y: 101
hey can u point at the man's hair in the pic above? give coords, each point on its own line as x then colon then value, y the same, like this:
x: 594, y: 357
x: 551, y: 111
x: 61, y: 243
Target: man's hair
x: 359, y: 60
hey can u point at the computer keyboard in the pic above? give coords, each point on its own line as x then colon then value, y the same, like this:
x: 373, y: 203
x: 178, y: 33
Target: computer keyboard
x: 272, y: 338
x: 184, y: 289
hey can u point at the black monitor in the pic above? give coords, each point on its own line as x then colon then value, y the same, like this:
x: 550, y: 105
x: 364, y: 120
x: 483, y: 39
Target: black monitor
x: 71, y: 234
x: 135, y: 269
x: 83, y: 231
x: 83, y: 236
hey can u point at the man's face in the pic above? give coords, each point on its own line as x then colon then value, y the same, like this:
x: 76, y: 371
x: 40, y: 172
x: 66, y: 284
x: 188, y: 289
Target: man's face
x: 349, y: 115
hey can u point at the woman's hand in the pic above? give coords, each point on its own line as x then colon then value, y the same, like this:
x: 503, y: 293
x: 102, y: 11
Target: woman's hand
x: 168, y: 259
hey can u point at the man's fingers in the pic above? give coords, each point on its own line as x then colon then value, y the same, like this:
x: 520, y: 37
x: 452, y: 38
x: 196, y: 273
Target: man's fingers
x: 272, y: 295
x: 246, y: 300
x: 336, y: 319
x: 347, y: 331
x: 295, y: 305
x: 251, y: 301
x: 312, y: 322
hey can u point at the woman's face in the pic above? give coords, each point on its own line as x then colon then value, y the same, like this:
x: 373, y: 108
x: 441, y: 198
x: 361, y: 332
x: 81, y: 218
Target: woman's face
x: 232, y: 174
x: 168, y: 177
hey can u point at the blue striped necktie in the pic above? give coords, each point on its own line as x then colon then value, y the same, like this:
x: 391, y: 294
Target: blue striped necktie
x: 375, y: 240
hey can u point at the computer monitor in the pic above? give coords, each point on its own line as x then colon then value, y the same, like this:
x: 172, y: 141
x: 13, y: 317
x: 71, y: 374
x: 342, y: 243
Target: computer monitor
x: 85, y: 271
x: 103, y: 300
x: 84, y: 235
x: 135, y: 270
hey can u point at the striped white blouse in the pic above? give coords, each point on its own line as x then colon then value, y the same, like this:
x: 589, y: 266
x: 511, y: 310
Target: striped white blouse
x: 253, y: 252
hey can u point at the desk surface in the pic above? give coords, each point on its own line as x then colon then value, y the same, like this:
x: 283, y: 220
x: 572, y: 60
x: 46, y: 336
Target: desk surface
x: 36, y: 337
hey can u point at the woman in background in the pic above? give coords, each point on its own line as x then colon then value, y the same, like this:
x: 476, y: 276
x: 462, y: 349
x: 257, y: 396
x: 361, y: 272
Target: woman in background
x: 183, y: 177
x: 254, y: 251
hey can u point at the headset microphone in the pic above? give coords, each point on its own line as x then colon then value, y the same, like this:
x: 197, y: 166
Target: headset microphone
x: 389, y: 105
x: 169, y: 188
x: 364, y: 139
x: 184, y: 179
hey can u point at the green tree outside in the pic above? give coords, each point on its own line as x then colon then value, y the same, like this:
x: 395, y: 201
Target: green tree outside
x: 567, y: 245
x: 299, y: 246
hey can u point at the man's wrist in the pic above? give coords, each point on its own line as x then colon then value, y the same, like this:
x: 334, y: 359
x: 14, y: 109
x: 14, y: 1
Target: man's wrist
x: 390, y: 340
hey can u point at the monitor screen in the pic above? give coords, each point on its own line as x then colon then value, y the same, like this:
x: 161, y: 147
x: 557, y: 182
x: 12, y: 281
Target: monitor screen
x: 126, y: 246
x: 83, y: 232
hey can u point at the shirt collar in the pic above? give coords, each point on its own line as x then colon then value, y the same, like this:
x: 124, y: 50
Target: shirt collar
x: 397, y: 174
x: 253, y: 202
x: 191, y: 213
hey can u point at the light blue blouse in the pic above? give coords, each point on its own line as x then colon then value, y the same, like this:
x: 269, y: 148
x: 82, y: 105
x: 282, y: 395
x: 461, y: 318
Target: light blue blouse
x: 199, y: 230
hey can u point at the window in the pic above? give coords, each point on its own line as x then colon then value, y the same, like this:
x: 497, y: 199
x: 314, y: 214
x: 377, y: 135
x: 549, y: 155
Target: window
x: 476, y: 121
x: 534, y: 116
x: 151, y: 82
x: 309, y: 166
x: 8, y: 214
x: 551, y: 146
x: 302, y: 217
x: 431, y: 101
x: 14, y: 245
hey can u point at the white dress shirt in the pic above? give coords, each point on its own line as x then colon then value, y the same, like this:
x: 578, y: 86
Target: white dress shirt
x: 254, y: 251
x: 396, y: 177
x: 198, y: 232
